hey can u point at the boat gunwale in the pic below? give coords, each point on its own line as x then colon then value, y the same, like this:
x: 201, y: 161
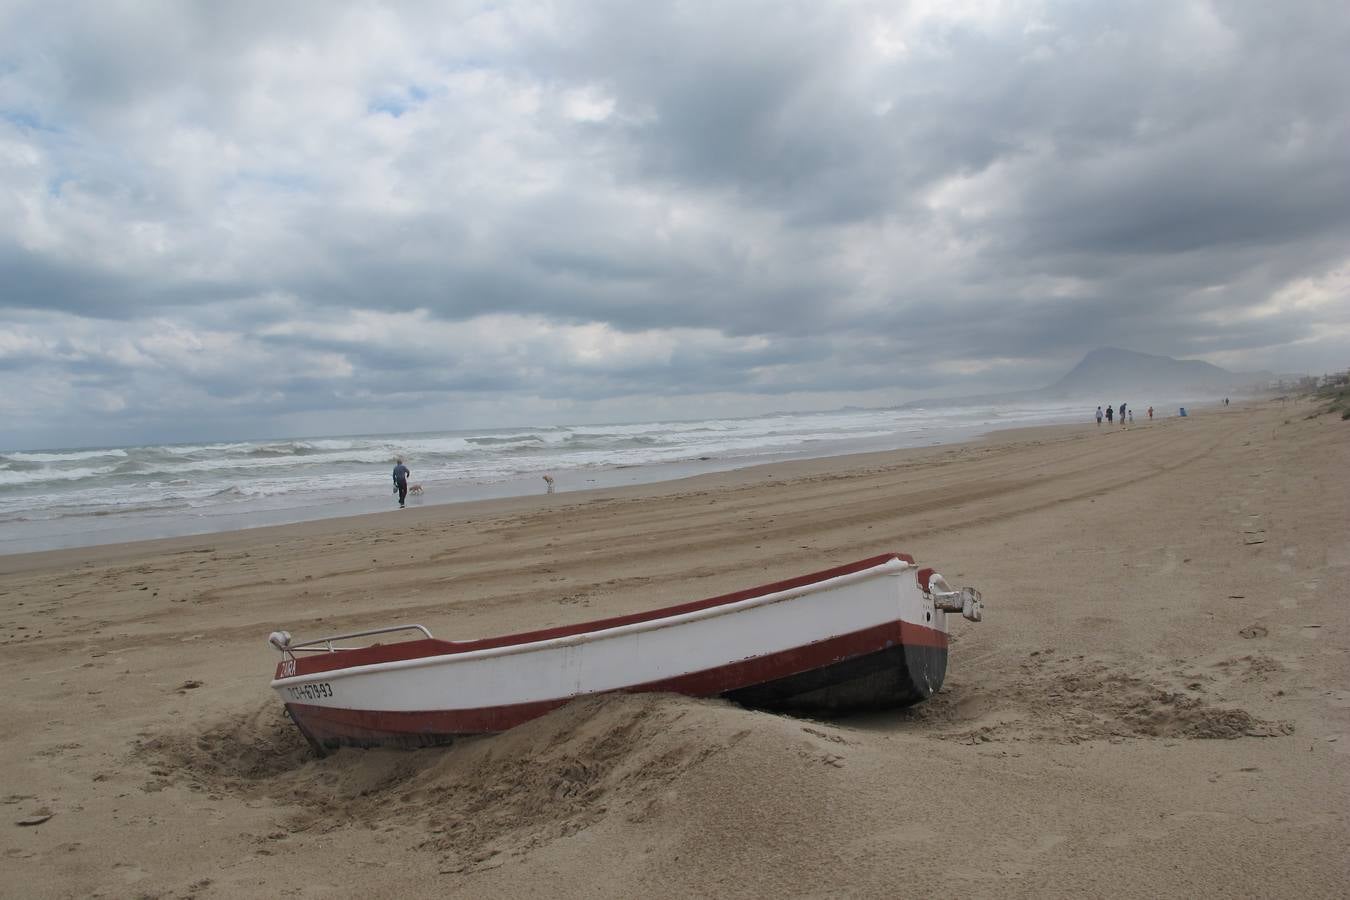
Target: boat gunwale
x: 877, y: 566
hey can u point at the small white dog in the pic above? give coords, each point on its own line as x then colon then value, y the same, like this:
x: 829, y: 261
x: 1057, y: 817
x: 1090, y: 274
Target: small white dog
x: 415, y: 488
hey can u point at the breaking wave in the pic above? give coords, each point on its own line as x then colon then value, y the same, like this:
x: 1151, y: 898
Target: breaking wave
x: 299, y: 473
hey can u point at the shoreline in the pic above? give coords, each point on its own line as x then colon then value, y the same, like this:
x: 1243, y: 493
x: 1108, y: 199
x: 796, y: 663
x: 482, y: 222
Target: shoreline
x: 493, y: 504
x: 37, y: 532
x: 1156, y: 703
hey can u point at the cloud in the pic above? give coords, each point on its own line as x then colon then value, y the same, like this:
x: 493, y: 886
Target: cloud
x: 255, y: 216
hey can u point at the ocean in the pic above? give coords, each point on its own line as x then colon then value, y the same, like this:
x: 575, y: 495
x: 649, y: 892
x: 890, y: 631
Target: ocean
x: 79, y: 497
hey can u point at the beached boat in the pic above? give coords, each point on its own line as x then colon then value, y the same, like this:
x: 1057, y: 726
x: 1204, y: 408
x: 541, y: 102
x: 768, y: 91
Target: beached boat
x: 865, y: 635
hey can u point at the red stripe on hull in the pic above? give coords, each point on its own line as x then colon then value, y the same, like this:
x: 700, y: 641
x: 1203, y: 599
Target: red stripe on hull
x: 325, y: 725
x: 381, y: 653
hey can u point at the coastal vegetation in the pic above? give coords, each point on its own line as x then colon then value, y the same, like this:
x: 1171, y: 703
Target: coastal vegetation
x: 1333, y: 394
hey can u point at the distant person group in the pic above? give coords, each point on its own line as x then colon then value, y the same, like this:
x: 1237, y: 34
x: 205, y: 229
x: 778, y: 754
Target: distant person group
x: 1124, y: 416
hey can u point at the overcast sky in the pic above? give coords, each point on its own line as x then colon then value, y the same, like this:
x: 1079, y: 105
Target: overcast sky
x: 256, y: 219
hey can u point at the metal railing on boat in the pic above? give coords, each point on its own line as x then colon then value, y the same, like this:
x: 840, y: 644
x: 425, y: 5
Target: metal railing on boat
x: 282, y: 639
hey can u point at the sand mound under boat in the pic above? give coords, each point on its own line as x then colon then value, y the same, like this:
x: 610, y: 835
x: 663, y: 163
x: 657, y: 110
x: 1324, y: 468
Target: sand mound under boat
x: 610, y: 756
x: 664, y: 760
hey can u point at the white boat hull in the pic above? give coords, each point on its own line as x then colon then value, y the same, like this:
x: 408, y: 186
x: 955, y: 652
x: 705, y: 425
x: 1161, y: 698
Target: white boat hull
x: 864, y: 635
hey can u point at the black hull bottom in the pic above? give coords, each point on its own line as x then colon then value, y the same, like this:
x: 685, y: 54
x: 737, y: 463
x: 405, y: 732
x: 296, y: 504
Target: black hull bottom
x: 894, y: 677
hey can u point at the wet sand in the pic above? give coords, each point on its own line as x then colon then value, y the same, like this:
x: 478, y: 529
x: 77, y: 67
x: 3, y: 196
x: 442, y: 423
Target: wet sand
x: 1158, y: 702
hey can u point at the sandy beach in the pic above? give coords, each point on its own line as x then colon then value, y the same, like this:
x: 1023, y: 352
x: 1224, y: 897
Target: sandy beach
x: 1158, y: 702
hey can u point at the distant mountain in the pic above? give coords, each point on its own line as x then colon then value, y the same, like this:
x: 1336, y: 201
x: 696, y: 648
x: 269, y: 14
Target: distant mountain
x: 1110, y: 370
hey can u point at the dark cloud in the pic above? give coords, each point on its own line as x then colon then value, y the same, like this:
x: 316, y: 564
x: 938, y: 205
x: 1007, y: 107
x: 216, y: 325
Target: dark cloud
x: 241, y: 210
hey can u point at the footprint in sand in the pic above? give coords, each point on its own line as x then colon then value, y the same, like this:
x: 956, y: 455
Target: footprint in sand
x: 130, y: 872
x: 1013, y: 858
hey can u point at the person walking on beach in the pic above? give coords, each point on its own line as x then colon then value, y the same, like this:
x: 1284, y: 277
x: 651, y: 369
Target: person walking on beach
x: 1099, y: 417
x: 1122, y: 413
x: 1150, y: 412
x: 1108, y: 415
x: 401, y: 473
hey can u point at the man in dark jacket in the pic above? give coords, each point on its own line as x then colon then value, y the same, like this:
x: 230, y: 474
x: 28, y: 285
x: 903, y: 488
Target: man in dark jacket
x: 401, y: 473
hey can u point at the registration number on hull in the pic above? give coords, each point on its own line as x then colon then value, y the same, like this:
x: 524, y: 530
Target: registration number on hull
x: 317, y: 690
